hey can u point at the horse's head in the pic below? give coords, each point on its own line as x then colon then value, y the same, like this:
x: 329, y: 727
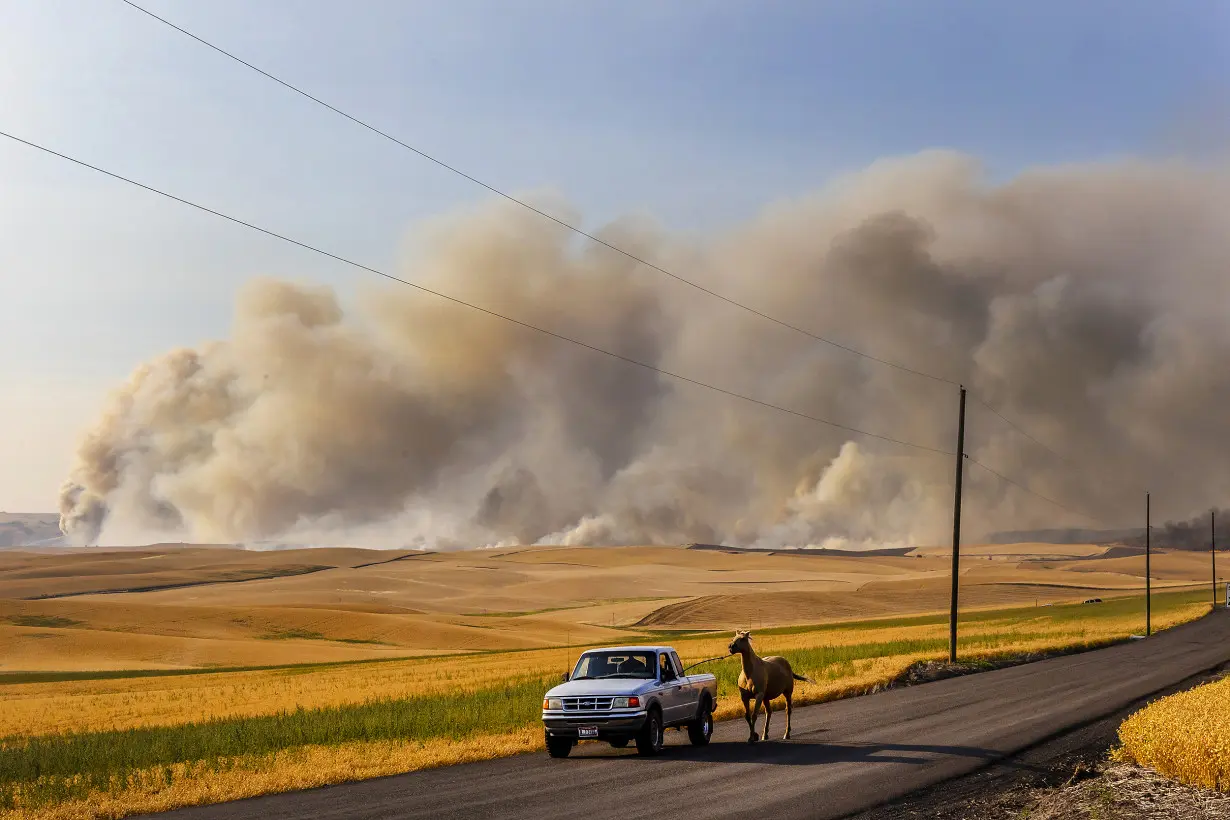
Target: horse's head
x: 742, y: 641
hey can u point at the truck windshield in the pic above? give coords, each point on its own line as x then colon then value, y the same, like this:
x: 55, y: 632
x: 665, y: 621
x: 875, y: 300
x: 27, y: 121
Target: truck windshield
x: 594, y: 665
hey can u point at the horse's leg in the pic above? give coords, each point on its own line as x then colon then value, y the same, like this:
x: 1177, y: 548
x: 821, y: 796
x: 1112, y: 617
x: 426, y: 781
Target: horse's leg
x: 755, y: 714
x: 768, y: 715
x: 789, y: 710
x: 747, y: 708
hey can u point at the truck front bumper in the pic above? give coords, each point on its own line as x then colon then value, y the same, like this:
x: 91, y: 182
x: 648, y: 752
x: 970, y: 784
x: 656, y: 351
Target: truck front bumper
x: 622, y: 726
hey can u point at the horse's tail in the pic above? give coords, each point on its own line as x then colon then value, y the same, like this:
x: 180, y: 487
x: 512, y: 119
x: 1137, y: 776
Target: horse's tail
x: 803, y: 678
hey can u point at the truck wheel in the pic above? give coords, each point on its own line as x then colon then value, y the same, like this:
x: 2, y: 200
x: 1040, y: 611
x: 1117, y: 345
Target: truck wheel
x: 652, y: 736
x: 559, y: 746
x: 700, y: 731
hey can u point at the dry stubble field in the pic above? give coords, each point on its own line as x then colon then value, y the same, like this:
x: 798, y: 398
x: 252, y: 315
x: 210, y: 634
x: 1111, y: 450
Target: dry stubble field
x: 129, y: 683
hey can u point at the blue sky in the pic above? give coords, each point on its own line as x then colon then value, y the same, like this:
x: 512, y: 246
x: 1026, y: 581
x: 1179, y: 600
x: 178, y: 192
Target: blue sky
x: 697, y: 113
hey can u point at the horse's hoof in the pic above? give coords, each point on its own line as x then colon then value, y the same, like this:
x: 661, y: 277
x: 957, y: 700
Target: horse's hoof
x: 752, y: 739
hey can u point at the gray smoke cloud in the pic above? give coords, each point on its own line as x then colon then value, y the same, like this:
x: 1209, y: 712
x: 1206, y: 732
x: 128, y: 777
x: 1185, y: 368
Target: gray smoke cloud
x: 1085, y: 302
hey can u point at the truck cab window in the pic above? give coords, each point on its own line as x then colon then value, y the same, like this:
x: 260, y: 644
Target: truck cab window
x: 678, y: 664
x: 597, y: 665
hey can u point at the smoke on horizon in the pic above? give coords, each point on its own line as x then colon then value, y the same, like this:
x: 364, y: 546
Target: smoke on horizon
x: 1085, y: 302
x: 1192, y: 534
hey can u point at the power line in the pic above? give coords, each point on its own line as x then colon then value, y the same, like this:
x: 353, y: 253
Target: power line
x: 1022, y: 431
x: 1020, y: 486
x: 544, y: 214
x: 1052, y: 451
x: 470, y: 305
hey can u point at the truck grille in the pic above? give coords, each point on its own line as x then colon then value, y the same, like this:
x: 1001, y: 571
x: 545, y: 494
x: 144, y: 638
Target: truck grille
x: 587, y: 704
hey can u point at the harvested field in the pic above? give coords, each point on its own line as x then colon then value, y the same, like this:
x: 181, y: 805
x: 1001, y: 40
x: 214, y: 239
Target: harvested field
x: 53, y: 573
x: 210, y: 606
x: 1165, y: 566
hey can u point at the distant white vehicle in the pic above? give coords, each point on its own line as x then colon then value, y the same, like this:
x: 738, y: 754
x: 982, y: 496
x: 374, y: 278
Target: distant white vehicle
x: 628, y: 693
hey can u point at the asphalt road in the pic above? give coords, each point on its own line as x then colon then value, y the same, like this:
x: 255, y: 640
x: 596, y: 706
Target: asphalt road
x: 844, y: 757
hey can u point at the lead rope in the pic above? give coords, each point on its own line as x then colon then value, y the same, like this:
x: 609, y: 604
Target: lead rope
x: 707, y: 660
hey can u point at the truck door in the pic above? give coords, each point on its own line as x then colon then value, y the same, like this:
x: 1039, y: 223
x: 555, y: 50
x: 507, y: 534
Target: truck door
x: 690, y: 693
x: 674, y: 692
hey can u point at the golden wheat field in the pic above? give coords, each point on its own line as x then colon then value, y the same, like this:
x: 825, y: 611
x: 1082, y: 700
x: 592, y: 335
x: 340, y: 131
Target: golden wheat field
x: 334, y: 665
x: 1185, y: 736
x: 193, y: 607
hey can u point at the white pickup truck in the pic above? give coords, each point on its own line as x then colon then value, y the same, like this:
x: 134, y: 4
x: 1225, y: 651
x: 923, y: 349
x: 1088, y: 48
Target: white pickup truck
x: 624, y: 693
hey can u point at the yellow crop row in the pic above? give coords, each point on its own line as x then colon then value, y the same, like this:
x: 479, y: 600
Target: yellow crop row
x: 1185, y: 736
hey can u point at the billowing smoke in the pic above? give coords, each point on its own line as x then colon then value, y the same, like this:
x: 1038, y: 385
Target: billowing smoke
x: 1086, y: 303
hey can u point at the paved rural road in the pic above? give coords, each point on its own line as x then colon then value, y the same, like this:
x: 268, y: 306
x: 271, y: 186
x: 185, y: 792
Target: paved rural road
x: 844, y: 757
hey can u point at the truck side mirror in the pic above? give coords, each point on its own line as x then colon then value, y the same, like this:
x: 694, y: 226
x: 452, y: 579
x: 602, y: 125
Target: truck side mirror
x: 564, y: 677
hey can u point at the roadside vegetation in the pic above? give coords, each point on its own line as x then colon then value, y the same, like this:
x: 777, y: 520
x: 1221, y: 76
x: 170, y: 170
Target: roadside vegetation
x: 111, y: 746
x: 1173, y: 760
x: 1185, y: 736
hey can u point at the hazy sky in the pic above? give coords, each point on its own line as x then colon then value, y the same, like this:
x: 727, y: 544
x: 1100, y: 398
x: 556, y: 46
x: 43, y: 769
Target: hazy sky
x: 697, y: 113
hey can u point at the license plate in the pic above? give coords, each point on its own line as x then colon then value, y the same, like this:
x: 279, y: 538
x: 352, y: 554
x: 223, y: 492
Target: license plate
x: 588, y: 731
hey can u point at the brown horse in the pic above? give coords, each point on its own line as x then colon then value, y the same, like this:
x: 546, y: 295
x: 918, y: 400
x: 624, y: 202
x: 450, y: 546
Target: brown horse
x: 762, y: 680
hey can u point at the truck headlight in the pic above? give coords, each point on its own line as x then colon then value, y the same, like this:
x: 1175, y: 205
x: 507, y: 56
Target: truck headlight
x: 553, y: 704
x: 625, y: 703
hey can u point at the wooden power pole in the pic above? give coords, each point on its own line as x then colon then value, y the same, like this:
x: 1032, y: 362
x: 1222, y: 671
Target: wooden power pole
x: 956, y: 533
x: 1148, y: 577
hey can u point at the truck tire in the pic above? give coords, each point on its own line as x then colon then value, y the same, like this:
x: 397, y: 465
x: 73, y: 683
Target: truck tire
x: 559, y: 746
x: 700, y: 731
x: 652, y: 736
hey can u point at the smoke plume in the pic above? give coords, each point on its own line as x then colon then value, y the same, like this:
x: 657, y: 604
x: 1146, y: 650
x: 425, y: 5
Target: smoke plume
x: 1087, y: 303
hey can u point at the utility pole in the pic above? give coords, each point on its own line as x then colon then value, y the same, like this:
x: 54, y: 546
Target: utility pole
x: 1148, y: 577
x: 956, y: 532
x: 1213, y: 551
